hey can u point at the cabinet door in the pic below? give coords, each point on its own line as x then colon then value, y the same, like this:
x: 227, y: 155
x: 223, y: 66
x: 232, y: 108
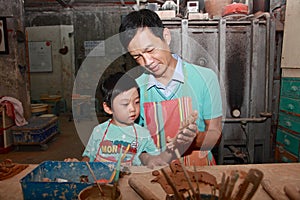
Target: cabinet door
x: 289, y: 141
x: 281, y: 155
x: 290, y: 105
x: 290, y: 122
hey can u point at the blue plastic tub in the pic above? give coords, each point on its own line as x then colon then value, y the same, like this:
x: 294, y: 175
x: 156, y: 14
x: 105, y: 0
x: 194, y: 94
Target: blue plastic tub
x: 34, y: 185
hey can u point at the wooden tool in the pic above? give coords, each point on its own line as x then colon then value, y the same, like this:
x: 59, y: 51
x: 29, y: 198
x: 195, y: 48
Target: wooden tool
x: 274, y: 192
x: 250, y: 184
x: 95, y: 179
x: 292, y: 191
x: 232, y: 179
x: 141, y: 189
x: 186, y: 174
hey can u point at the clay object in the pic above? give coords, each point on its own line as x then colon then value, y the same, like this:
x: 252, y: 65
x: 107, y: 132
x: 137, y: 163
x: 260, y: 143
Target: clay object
x: 177, y: 176
x: 9, y: 169
x: 141, y: 189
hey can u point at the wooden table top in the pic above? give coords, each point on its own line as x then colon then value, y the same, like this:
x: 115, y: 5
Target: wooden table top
x: 278, y: 174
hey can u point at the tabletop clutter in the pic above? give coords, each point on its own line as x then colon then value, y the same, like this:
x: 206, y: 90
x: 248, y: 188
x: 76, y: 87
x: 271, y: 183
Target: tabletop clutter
x: 96, y: 180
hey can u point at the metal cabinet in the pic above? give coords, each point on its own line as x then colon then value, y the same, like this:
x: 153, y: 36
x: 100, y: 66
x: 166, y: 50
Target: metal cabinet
x: 288, y: 133
x: 241, y: 52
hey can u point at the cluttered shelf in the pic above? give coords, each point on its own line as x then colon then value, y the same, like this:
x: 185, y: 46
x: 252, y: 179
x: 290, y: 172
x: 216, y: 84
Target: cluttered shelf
x: 278, y: 176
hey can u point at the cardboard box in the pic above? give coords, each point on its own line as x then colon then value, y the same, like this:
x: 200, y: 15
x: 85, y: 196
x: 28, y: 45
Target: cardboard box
x: 166, y: 14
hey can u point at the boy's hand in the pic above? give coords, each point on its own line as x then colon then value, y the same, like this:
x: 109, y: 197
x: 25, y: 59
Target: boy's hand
x: 71, y: 160
x: 154, y: 161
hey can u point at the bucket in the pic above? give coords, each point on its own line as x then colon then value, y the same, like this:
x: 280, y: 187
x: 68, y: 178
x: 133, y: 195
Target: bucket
x: 214, y: 8
x: 92, y: 192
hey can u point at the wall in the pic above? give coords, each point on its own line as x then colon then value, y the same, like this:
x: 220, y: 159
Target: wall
x: 90, y: 23
x: 60, y: 80
x: 14, y: 80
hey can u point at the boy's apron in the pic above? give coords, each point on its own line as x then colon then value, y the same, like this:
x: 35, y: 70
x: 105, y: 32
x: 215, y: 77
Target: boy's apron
x: 108, y: 147
x: 163, y: 120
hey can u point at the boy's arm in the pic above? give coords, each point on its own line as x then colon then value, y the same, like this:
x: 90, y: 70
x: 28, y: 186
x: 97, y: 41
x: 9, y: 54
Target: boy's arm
x: 151, y: 161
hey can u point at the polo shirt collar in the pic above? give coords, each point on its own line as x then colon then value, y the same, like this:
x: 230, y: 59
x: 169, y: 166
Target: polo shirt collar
x: 177, y: 76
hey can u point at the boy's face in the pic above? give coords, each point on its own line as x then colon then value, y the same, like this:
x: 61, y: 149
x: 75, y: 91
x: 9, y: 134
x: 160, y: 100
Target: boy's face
x: 126, y: 107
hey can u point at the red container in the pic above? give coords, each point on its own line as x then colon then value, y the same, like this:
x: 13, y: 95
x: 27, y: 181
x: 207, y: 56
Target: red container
x: 235, y: 8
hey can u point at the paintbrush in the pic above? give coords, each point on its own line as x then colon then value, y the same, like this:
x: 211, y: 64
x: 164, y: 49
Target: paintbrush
x: 117, y: 170
x: 116, y: 179
x: 185, y: 173
x: 122, y: 158
x: 95, y: 179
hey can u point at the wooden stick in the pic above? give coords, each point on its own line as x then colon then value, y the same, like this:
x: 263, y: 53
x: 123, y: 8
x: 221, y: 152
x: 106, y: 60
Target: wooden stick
x: 185, y: 173
x: 222, y: 187
x: 198, y: 197
x: 95, y: 179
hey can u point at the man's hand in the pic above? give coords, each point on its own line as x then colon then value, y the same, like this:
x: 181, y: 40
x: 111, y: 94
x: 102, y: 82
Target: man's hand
x: 186, y: 134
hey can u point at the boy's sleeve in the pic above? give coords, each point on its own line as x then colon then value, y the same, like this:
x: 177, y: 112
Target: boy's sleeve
x: 90, y: 150
x: 150, y: 147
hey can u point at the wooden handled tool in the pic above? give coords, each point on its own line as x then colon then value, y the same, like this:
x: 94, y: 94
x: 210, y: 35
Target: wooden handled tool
x: 249, y: 186
x: 292, y: 191
x: 141, y: 189
x: 274, y: 192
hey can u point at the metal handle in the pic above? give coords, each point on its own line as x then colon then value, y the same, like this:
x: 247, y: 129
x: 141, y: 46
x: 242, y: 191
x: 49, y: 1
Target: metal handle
x: 288, y: 123
x: 294, y: 88
x: 280, y: 149
x: 287, y: 142
x: 284, y: 159
x: 291, y: 106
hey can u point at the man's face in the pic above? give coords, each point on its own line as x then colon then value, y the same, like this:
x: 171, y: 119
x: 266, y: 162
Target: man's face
x: 150, y: 52
x: 126, y: 107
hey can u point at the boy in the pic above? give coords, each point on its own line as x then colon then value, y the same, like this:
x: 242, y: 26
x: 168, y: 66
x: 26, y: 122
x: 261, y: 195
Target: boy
x: 121, y: 100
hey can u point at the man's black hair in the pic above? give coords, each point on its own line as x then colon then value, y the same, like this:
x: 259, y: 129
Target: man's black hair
x: 139, y: 19
x: 116, y: 84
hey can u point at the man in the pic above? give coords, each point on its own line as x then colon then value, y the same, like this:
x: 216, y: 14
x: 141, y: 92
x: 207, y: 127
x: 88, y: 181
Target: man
x: 168, y: 78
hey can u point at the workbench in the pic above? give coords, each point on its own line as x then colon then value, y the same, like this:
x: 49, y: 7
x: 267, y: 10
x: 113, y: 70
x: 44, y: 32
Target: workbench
x: 278, y: 174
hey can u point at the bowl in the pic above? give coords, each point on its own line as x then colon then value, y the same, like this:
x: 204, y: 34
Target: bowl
x: 92, y: 192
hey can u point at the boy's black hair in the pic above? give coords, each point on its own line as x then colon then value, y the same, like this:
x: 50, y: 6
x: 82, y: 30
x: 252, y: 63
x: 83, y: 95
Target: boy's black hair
x: 140, y: 19
x: 116, y: 84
